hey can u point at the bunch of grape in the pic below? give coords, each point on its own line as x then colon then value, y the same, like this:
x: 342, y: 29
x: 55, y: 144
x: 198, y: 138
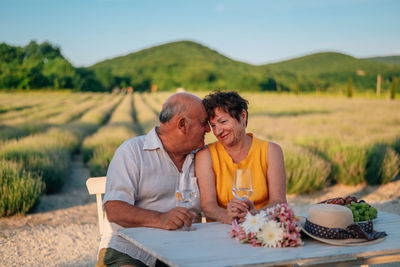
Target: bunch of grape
x: 362, y: 211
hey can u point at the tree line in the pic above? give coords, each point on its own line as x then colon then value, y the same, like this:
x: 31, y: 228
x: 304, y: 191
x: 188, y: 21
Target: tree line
x: 37, y: 66
x: 188, y: 65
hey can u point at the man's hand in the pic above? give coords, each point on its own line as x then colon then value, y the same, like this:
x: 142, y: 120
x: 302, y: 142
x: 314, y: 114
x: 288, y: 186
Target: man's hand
x: 127, y: 215
x: 175, y: 218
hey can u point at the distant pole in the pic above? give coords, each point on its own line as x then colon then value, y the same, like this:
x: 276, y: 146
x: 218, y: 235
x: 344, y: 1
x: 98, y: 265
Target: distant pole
x: 378, y: 84
x: 350, y: 88
x: 297, y: 89
x: 393, y: 88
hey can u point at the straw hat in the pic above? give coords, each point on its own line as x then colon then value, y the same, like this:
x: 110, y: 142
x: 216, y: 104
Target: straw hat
x: 333, y: 224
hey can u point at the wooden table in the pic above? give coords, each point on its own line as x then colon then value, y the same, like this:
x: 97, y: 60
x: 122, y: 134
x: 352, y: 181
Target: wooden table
x: 210, y: 245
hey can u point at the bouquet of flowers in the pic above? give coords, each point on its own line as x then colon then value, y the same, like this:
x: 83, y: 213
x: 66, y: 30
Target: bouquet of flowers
x: 275, y: 227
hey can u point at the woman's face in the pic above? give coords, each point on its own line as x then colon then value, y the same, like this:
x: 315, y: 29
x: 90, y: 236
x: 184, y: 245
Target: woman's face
x: 227, y: 129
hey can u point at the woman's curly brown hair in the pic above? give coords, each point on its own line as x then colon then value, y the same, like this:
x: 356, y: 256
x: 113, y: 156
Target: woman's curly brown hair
x: 231, y: 102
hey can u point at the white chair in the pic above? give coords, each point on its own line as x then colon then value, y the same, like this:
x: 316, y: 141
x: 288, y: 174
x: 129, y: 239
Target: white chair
x: 97, y: 186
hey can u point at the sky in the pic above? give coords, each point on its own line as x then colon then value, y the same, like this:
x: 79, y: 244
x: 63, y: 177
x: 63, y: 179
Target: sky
x: 252, y: 31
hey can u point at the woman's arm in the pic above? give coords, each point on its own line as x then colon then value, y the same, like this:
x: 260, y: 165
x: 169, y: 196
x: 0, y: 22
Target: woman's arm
x: 276, y: 175
x: 208, y: 192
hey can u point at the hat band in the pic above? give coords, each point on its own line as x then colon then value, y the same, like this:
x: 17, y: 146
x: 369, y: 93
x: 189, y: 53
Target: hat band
x: 354, y: 230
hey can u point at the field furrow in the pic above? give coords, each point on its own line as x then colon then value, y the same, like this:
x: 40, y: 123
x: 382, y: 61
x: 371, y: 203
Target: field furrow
x: 46, y: 157
x: 99, y: 148
x: 146, y: 116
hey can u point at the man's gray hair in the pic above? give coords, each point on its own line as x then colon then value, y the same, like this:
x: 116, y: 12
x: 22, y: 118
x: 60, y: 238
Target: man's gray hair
x: 169, y: 110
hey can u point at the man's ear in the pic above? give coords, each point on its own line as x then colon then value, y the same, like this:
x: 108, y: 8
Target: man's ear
x: 182, y: 124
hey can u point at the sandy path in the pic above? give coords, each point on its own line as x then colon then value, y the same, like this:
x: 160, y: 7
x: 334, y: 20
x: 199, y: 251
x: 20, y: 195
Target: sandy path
x: 62, y: 231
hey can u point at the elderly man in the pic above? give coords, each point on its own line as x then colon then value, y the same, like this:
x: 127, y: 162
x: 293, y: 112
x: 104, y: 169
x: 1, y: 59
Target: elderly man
x: 142, y: 177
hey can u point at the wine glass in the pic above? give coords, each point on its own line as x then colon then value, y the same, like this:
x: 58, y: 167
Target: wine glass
x: 186, y: 193
x: 242, y: 187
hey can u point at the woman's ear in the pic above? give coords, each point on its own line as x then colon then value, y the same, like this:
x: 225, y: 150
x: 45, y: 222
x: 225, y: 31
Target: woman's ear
x: 243, y: 116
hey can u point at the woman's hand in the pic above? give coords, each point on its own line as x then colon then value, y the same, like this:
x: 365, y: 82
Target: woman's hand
x: 251, y: 208
x: 237, y: 209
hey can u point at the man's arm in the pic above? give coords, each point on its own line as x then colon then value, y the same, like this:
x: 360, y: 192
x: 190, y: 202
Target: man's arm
x: 127, y: 215
x: 122, y: 179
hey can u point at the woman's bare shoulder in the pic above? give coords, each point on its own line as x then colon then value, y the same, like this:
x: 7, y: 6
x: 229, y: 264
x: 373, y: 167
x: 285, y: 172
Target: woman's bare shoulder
x: 203, y: 150
x: 274, y: 148
x: 203, y: 154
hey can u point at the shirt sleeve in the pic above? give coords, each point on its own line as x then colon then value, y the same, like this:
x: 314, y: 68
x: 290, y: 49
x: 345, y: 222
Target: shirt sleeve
x: 122, y: 176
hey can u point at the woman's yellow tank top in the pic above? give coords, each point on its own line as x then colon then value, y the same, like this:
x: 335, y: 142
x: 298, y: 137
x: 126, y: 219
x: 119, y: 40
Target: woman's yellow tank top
x: 224, y: 169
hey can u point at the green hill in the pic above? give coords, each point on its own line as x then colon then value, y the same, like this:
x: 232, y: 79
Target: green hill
x: 389, y: 59
x: 330, y: 71
x: 194, y: 66
x: 327, y: 62
x: 180, y: 64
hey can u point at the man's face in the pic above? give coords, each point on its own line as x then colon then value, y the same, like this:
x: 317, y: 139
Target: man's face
x: 198, y: 127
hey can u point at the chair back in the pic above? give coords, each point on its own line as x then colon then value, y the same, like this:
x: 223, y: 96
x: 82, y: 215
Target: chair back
x: 97, y: 186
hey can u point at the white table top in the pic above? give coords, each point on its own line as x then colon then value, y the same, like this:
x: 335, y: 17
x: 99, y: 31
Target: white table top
x: 210, y: 245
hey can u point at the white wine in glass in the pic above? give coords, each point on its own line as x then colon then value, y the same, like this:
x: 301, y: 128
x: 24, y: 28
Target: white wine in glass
x: 186, y: 193
x: 242, y: 187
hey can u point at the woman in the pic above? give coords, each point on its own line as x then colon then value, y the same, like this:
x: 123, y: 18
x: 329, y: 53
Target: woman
x: 215, y: 164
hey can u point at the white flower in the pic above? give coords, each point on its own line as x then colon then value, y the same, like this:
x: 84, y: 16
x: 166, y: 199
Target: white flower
x: 253, y: 223
x: 271, y: 234
x: 263, y: 213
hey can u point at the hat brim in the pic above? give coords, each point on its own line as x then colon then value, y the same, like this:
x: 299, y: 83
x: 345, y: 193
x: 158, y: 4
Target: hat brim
x: 341, y: 242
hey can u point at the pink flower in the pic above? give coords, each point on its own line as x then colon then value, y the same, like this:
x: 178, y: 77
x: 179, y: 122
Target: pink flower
x: 283, y: 229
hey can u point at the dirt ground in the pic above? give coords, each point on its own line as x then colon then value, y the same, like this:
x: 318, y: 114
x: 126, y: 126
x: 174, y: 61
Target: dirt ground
x: 63, y: 230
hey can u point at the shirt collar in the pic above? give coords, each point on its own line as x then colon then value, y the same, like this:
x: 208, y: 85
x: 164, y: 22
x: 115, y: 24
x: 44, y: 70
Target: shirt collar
x: 152, y: 141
